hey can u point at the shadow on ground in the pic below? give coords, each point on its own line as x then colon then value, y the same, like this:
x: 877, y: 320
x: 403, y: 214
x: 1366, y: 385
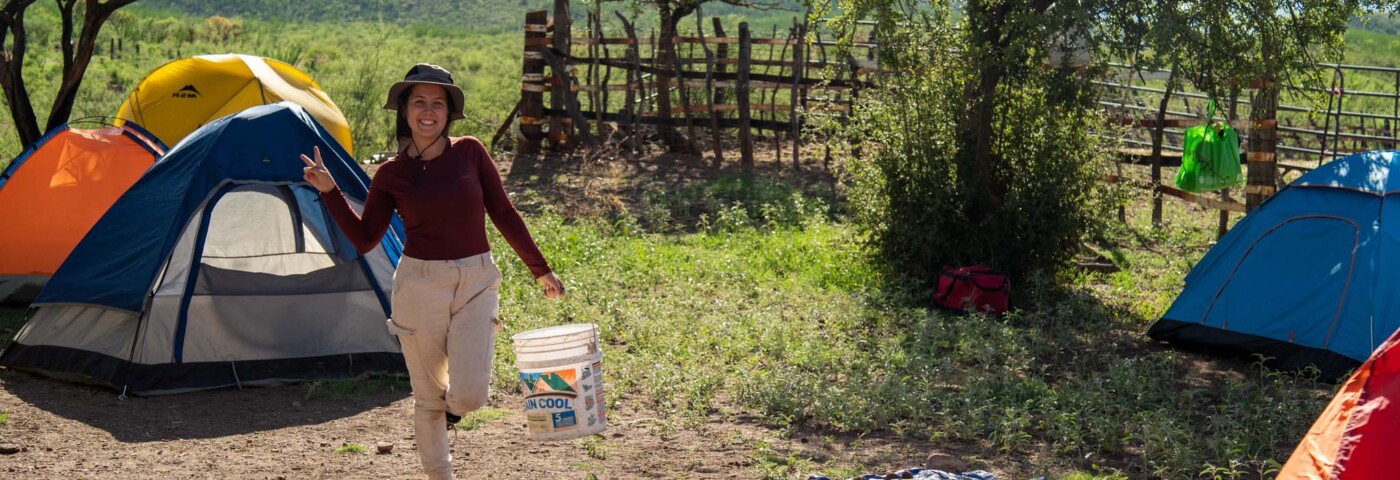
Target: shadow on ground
x: 197, y: 415
x: 614, y: 182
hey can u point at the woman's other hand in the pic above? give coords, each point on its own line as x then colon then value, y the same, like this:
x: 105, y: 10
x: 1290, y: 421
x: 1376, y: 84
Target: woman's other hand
x: 553, y: 287
x: 316, y: 174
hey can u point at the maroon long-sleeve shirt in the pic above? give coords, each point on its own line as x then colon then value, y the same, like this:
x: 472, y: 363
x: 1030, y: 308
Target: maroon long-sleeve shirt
x: 443, y: 203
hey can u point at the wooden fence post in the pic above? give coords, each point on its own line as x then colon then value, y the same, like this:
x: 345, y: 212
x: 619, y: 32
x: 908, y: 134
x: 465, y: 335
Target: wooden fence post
x: 715, y: 143
x: 1262, y: 176
x: 635, y: 85
x: 682, y: 93
x: 532, y: 84
x: 799, y: 70
x: 559, y: 126
x: 741, y: 90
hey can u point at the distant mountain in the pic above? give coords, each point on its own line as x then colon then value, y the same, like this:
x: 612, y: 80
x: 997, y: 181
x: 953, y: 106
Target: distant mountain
x: 473, y: 15
x: 1383, y: 23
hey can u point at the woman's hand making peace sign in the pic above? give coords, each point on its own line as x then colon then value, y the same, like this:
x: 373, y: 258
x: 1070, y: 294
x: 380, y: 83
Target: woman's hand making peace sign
x: 315, y: 172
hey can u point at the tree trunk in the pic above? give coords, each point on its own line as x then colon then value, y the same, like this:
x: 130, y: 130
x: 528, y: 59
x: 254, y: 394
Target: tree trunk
x: 977, y: 166
x: 11, y: 67
x: 76, y: 62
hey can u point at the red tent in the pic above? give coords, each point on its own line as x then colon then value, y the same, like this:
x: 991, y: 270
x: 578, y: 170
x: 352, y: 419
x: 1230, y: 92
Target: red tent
x: 1358, y: 435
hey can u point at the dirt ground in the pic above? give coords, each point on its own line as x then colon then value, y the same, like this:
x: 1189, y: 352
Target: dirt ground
x: 68, y: 431
x: 59, y: 430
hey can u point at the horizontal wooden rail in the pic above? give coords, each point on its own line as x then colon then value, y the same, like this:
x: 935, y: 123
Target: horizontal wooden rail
x: 719, y: 76
x: 1229, y: 206
x: 647, y: 119
x: 1143, y: 157
x: 1238, y: 125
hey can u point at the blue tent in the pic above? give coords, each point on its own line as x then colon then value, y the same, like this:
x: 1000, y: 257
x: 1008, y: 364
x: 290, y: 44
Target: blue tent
x: 220, y: 267
x: 1311, y: 277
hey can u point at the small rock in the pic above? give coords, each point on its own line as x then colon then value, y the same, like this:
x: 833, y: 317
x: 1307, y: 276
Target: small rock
x: 325, y: 444
x: 945, y: 462
x: 384, y: 447
x: 9, y: 449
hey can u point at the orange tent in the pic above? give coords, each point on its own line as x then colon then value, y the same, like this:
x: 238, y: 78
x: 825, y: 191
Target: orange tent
x: 56, y: 190
x: 1358, y: 433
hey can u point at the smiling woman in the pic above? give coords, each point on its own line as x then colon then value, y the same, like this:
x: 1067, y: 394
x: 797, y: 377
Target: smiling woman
x: 446, y: 286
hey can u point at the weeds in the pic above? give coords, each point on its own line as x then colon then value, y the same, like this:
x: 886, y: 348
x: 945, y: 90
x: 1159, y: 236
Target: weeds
x: 483, y: 416
x: 594, y: 446
x: 329, y: 389
x: 351, y: 448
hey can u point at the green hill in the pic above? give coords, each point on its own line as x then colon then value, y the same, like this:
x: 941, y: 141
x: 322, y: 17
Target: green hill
x: 469, y: 15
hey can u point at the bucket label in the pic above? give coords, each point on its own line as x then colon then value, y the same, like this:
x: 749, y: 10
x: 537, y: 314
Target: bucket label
x: 598, y: 375
x: 538, y: 422
x: 549, y: 403
x: 565, y: 419
x: 558, y: 382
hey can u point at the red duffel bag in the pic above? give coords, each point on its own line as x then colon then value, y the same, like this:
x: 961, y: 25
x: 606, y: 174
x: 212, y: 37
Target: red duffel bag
x: 976, y: 287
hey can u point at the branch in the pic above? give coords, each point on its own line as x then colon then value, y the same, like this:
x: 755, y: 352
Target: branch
x: 97, y: 14
x: 65, y: 39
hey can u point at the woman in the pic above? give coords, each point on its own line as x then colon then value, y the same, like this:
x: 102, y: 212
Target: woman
x: 446, y: 285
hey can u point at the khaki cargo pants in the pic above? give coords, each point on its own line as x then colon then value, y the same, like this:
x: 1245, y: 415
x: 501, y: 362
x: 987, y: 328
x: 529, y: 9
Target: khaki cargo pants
x: 445, y: 315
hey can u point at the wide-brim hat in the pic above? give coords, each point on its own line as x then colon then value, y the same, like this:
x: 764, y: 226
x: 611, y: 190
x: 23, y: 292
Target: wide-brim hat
x: 427, y: 73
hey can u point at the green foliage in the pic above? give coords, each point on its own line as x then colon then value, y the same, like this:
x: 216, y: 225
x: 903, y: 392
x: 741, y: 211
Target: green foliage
x: 4, y: 418
x: 353, y: 62
x: 483, y: 16
x: 798, y: 326
x: 594, y: 446
x: 482, y: 416
x: 327, y: 389
x: 1387, y: 24
x: 351, y: 448
x: 912, y: 198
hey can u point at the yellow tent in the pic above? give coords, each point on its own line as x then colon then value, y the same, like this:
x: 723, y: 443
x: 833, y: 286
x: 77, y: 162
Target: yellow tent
x: 182, y: 95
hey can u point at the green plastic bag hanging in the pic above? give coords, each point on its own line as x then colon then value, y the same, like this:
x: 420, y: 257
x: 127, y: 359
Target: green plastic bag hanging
x: 1210, y: 157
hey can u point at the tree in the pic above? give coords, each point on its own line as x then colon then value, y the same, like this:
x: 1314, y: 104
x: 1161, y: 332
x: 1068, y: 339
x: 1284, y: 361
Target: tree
x: 990, y: 179
x: 13, y: 45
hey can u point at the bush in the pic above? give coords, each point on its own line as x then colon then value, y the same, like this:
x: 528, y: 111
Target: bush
x: 907, y: 197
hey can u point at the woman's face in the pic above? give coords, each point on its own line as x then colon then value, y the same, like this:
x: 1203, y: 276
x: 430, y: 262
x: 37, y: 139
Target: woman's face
x: 426, y: 111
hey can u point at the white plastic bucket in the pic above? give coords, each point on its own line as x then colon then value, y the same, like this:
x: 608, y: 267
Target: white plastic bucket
x: 562, y: 378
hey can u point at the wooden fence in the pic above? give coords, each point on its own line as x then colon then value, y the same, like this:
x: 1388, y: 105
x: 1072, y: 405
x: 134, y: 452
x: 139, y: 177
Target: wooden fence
x: 620, y: 88
x: 1283, y: 138
x: 604, y: 83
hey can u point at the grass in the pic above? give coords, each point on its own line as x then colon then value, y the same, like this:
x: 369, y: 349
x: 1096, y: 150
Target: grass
x: 594, y: 446
x: 790, y: 321
x: 351, y: 448
x: 483, y: 416
x: 4, y: 418
x: 329, y: 389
